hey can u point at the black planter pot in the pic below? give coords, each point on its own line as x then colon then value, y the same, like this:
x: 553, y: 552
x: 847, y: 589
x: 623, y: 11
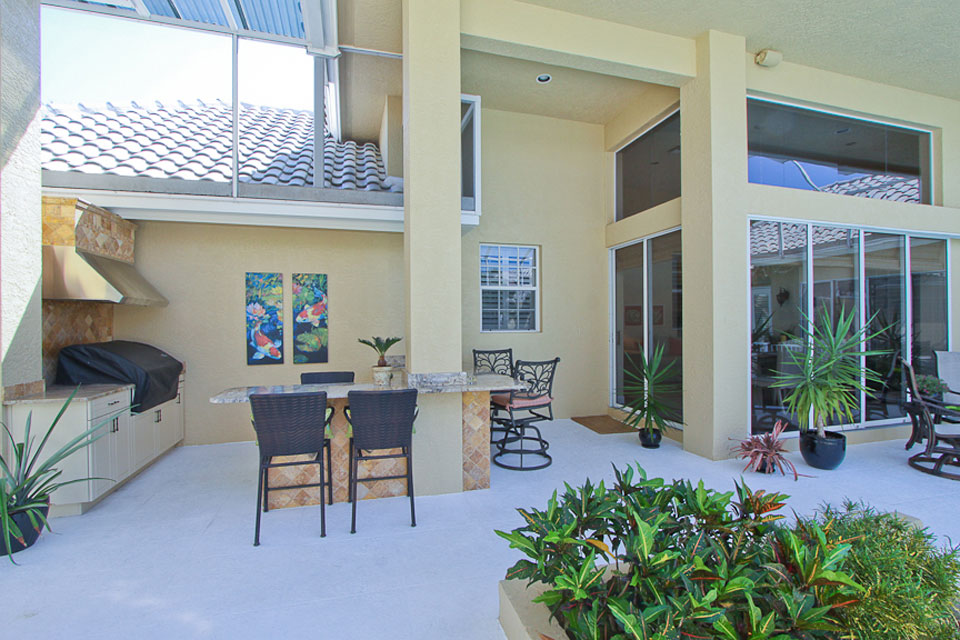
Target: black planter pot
x: 823, y: 453
x: 30, y: 534
x: 650, y: 439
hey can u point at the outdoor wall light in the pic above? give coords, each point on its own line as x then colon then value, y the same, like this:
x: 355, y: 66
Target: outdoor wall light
x: 782, y: 296
x: 544, y: 78
x: 768, y: 58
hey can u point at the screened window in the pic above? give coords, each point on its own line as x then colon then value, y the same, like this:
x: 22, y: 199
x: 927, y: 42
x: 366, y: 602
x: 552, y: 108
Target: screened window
x: 807, y: 149
x: 509, y: 287
x: 648, y: 169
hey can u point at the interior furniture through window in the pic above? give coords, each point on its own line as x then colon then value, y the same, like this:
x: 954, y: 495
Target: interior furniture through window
x: 290, y: 424
x: 381, y: 420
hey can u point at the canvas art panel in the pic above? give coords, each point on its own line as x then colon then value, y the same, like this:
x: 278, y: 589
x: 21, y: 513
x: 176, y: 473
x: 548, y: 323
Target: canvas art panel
x: 264, y: 299
x: 310, y: 337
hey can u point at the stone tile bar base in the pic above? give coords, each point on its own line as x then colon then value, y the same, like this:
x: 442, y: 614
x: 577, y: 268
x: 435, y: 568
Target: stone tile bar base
x: 476, y: 440
x: 476, y: 461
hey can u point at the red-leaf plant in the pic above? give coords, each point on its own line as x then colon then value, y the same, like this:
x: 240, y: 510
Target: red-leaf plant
x: 764, y: 452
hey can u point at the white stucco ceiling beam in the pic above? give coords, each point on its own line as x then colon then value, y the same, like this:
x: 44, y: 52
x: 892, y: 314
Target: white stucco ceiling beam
x: 521, y: 30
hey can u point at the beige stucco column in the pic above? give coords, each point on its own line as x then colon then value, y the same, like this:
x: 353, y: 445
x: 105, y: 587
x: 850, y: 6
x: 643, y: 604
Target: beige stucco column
x: 715, y: 260
x: 431, y: 169
x: 20, y: 216
x: 431, y: 231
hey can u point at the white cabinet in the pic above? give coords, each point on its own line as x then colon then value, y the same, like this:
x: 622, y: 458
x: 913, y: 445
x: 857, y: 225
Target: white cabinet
x: 128, y: 444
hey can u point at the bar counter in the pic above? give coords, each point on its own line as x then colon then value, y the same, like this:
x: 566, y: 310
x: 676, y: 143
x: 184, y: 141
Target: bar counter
x: 432, y: 453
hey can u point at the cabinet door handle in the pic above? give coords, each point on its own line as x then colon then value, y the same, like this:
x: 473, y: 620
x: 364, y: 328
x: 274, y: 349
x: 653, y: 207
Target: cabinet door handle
x: 178, y: 397
x: 116, y: 425
x: 159, y: 416
x: 110, y: 404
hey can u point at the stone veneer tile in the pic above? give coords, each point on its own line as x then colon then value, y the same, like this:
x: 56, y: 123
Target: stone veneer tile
x: 67, y: 322
x: 476, y: 440
x: 23, y: 389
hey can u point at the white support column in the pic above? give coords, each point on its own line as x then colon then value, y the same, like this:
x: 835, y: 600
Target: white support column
x: 20, y: 217
x: 716, y: 363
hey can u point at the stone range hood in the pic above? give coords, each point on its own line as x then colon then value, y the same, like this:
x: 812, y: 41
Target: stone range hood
x: 88, y: 256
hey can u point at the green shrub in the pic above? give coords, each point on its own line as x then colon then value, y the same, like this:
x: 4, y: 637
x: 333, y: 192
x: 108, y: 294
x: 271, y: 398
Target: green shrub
x: 685, y: 562
x: 911, y: 583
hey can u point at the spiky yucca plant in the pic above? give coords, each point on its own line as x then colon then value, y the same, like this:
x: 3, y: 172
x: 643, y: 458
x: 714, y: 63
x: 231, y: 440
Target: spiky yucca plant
x: 644, y: 388
x: 380, y: 345
x: 828, y: 375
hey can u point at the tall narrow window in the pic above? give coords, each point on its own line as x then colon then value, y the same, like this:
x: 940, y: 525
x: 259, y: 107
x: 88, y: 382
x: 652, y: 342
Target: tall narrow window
x: 276, y: 115
x: 778, y: 283
x: 648, y: 169
x: 884, y: 290
x: 808, y: 149
x: 928, y: 280
x: 470, y: 153
x: 649, y: 313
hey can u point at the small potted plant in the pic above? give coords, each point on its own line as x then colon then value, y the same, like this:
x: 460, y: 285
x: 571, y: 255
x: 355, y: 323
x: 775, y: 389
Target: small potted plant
x: 825, y: 382
x: 382, y: 372
x: 27, y: 481
x: 645, y: 388
x: 931, y: 387
x: 764, y: 452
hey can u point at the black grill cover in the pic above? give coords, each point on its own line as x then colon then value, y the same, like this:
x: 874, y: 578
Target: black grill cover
x: 154, y: 372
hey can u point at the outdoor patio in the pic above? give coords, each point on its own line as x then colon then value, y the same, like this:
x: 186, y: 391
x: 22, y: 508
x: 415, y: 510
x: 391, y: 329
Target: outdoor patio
x: 169, y: 555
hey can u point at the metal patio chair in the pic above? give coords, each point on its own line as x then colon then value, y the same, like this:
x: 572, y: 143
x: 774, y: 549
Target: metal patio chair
x: 289, y: 424
x: 942, y: 441
x: 494, y: 361
x: 523, y: 437
x: 381, y: 420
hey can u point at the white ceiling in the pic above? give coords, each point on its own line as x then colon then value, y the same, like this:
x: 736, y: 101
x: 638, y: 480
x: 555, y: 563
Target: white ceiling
x: 509, y: 84
x: 915, y: 44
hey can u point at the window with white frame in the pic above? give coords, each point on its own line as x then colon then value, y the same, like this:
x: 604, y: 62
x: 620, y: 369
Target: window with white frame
x: 509, y: 287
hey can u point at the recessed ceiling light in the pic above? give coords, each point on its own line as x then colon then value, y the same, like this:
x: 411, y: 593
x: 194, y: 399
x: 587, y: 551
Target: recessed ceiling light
x: 544, y: 78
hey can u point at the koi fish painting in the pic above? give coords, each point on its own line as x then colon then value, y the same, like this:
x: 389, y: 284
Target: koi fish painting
x: 309, y: 318
x: 264, y: 318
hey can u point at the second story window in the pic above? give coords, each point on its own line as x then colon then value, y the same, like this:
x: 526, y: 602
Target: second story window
x: 807, y: 149
x: 648, y: 169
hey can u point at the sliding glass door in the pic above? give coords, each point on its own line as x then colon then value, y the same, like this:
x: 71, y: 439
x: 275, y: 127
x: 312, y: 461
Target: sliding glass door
x: 648, y: 311
x: 852, y: 271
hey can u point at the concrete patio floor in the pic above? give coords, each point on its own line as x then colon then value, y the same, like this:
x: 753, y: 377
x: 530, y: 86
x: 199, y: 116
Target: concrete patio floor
x: 169, y: 555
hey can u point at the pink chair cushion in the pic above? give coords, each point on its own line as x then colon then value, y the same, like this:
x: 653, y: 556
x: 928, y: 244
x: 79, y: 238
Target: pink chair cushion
x: 503, y: 400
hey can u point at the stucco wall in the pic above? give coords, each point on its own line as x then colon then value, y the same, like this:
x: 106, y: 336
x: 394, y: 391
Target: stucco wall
x: 20, y: 228
x: 543, y: 185
x: 200, y: 269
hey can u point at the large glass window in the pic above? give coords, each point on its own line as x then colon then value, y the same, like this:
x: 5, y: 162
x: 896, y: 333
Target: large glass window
x: 808, y: 149
x: 128, y: 98
x: 852, y: 271
x: 648, y: 169
x: 276, y: 114
x: 649, y: 313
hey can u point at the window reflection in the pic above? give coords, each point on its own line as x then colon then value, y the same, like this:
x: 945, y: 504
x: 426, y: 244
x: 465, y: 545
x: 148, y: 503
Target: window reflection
x: 648, y: 169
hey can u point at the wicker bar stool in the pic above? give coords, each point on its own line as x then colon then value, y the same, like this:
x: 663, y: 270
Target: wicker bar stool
x: 381, y: 420
x: 326, y: 377
x: 289, y: 424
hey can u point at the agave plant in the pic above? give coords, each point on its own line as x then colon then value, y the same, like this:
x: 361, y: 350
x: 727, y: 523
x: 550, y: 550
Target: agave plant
x: 764, y: 452
x: 645, y: 387
x: 380, y: 345
x: 827, y: 375
x: 27, y: 480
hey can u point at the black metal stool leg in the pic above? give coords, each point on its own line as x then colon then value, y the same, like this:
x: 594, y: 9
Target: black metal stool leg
x: 266, y: 488
x: 354, y: 465
x: 323, y: 515
x: 260, y: 474
x: 329, y: 475
x: 413, y: 513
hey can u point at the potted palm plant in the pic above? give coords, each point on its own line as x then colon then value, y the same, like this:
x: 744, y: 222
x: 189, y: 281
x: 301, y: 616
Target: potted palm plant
x: 381, y: 373
x: 645, y: 388
x: 825, y: 381
x: 27, y: 480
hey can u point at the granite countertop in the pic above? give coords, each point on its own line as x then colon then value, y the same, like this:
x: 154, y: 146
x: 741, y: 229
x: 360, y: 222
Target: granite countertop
x: 59, y: 393
x: 478, y: 383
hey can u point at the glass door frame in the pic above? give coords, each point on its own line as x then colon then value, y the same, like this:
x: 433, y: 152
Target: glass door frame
x: 612, y: 308
x: 907, y: 301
